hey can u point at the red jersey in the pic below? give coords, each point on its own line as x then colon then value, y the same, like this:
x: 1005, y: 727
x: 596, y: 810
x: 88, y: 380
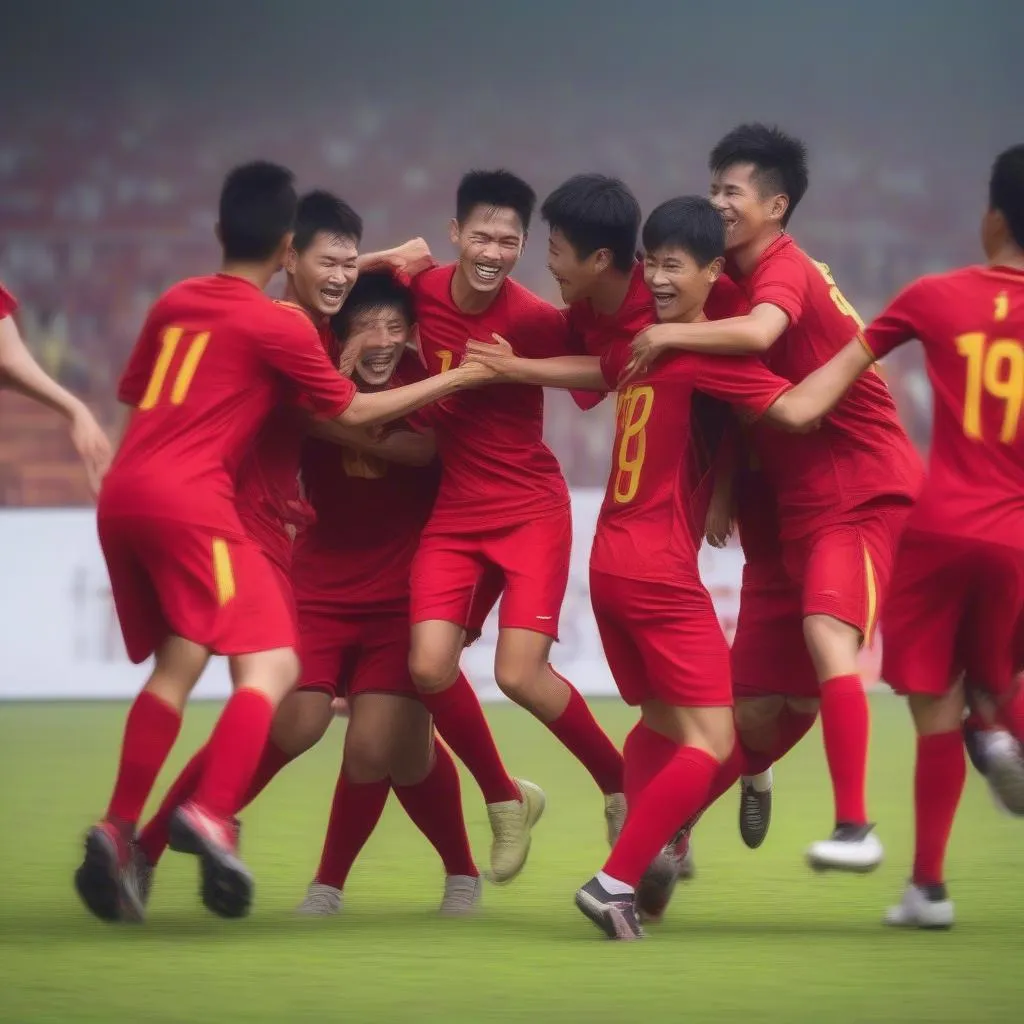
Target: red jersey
x: 8, y: 303
x: 497, y: 469
x: 267, y: 485
x: 369, y: 515
x: 971, y: 325
x: 214, y: 358
x: 644, y: 529
x: 861, y: 452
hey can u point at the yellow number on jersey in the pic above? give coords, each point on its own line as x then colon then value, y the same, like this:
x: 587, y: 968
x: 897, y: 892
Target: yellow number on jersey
x: 995, y: 368
x: 633, y: 410
x: 840, y: 300
x: 363, y: 467
x: 444, y: 357
x: 169, y: 341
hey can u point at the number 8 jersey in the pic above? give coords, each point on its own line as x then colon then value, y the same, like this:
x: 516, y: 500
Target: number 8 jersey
x: 971, y: 325
x: 644, y: 530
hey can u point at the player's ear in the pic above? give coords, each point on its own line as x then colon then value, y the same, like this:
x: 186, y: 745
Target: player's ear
x: 715, y: 268
x: 778, y: 206
x: 290, y: 257
x: 602, y: 260
x: 453, y: 231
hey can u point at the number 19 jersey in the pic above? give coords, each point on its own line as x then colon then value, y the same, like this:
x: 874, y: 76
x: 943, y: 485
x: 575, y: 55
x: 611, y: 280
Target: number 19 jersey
x: 970, y: 323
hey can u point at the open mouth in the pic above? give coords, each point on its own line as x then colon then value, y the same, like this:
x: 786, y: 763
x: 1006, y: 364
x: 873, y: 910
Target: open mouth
x: 333, y: 296
x: 662, y: 299
x: 486, y: 273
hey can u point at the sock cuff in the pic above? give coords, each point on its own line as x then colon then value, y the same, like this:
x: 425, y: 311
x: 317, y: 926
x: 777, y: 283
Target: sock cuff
x: 940, y: 741
x: 156, y: 701
x: 850, y: 683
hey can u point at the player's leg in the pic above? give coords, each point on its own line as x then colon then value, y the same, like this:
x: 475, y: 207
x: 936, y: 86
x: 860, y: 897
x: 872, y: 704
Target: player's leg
x: 846, y: 572
x: 535, y: 561
x: 358, y: 802
x: 664, y: 647
x: 446, y: 574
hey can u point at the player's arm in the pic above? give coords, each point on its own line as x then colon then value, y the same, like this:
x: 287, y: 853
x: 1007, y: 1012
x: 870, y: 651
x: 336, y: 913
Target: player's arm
x: 754, y: 332
x: 404, y: 447
x: 718, y: 524
x: 412, y: 258
x: 20, y: 372
x: 581, y: 372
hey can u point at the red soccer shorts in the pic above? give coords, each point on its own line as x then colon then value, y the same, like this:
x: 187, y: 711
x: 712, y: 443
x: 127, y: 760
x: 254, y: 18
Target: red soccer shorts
x: 954, y: 607
x: 454, y: 574
x: 662, y: 641
x: 348, y: 655
x: 170, y: 578
x: 843, y: 569
x: 769, y: 655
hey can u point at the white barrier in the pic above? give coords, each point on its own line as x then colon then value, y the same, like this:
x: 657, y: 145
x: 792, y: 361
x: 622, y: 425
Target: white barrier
x: 60, y: 638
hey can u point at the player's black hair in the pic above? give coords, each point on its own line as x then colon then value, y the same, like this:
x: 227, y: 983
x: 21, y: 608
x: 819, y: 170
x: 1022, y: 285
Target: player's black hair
x: 595, y: 212
x: 322, y: 212
x: 780, y: 161
x: 689, y: 223
x: 373, y: 290
x: 501, y: 189
x: 1006, y: 190
x: 256, y: 210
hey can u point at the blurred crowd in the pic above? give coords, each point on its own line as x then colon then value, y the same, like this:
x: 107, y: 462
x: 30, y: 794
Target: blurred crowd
x: 106, y: 208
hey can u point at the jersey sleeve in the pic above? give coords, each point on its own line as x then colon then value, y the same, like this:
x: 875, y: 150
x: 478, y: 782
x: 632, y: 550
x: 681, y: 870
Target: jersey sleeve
x: 135, y: 377
x: 898, y: 322
x: 780, y: 282
x: 725, y: 300
x: 545, y: 331
x: 8, y: 303
x: 739, y: 380
x: 614, y: 361
x: 292, y: 347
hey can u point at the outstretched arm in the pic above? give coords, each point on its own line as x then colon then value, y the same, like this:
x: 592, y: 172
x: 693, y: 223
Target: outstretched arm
x: 20, y: 372
x: 581, y: 372
x: 405, y: 447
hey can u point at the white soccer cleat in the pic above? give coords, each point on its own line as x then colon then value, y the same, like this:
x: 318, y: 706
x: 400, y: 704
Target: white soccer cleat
x: 853, y: 848
x: 921, y: 909
x: 321, y: 901
x: 1004, y: 770
x: 614, y: 815
x: 512, y: 822
x: 461, y: 895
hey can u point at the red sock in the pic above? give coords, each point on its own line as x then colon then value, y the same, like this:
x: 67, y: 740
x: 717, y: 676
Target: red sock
x: 846, y: 725
x: 730, y: 770
x: 272, y: 760
x: 356, y: 809
x: 577, y: 730
x: 792, y: 727
x: 678, y: 792
x: 234, y: 752
x: 149, y: 733
x: 460, y: 720
x: 645, y: 753
x: 435, y: 807
x: 939, y: 777
x: 154, y: 837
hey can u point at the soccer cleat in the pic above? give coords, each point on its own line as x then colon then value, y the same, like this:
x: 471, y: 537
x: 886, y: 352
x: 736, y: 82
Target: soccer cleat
x: 653, y: 894
x: 614, y: 914
x: 974, y: 742
x: 226, y: 885
x: 850, y: 848
x: 922, y: 907
x: 755, y: 808
x: 321, y: 901
x: 461, y: 895
x: 512, y: 822
x: 1004, y: 769
x: 106, y: 880
x: 142, y: 871
x: 614, y: 815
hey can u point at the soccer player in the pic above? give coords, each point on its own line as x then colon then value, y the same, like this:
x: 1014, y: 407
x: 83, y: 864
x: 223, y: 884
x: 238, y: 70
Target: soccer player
x: 215, y: 356
x: 843, y: 492
x: 958, y: 582
x: 502, y: 511
x: 20, y: 372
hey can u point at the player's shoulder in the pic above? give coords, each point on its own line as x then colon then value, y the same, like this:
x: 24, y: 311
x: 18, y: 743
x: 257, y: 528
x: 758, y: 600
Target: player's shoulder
x: 521, y: 303
x: 434, y: 281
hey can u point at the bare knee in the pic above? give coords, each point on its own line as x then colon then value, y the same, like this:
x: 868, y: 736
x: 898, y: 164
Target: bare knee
x: 434, y: 655
x: 803, y: 705
x: 177, y: 667
x: 301, y: 721
x: 757, y: 714
x: 366, y: 757
x: 272, y: 673
x: 938, y: 714
x: 833, y: 646
x: 523, y: 674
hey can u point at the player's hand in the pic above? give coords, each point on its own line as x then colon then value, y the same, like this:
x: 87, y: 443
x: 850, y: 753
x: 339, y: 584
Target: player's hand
x: 646, y: 347
x: 340, y: 707
x: 719, y: 524
x: 412, y: 257
x: 496, y: 355
x: 92, y: 446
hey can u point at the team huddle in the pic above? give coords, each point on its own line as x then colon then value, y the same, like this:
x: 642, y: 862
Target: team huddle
x: 334, y: 489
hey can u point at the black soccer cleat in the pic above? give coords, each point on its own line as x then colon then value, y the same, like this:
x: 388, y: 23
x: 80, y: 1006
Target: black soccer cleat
x: 614, y: 914
x: 755, y: 813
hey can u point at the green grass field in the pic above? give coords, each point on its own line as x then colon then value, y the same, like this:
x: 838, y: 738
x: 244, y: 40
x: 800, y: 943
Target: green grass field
x: 755, y: 937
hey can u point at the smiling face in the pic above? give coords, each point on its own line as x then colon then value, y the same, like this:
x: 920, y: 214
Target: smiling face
x: 747, y: 212
x: 489, y: 242
x: 679, y: 283
x: 575, y: 277
x: 324, y: 272
x: 379, y: 336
